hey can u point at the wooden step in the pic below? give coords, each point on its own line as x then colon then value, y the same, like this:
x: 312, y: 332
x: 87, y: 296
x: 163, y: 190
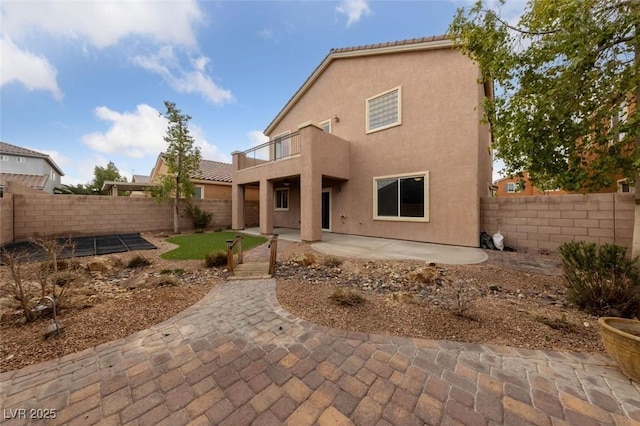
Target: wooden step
x: 250, y: 270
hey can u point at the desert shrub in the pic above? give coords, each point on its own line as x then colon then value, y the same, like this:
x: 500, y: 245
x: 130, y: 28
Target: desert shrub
x: 459, y: 297
x: 331, y: 262
x: 19, y: 287
x: 304, y: 259
x: 138, y: 262
x: 601, y: 280
x: 424, y: 275
x: 216, y: 259
x: 346, y: 297
x: 177, y: 271
x: 201, y: 219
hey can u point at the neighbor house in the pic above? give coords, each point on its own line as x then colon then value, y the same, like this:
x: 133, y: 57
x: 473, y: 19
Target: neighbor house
x: 212, y: 182
x: 515, y: 186
x: 28, y: 168
x: 382, y: 140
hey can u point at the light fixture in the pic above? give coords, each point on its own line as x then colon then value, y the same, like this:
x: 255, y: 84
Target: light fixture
x: 336, y: 119
x: 286, y: 182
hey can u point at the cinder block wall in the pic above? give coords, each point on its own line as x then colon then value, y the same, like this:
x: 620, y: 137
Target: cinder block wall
x: 540, y: 223
x: 6, y: 219
x: 51, y: 215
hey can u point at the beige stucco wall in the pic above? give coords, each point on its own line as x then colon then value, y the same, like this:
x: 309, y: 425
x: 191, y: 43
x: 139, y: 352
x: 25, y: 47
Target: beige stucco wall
x: 542, y: 223
x: 440, y: 133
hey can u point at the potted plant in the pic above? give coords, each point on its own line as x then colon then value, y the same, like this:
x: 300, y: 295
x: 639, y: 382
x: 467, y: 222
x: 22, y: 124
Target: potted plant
x: 621, y: 339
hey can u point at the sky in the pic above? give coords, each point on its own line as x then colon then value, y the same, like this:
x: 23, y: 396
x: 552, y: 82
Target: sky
x: 85, y: 81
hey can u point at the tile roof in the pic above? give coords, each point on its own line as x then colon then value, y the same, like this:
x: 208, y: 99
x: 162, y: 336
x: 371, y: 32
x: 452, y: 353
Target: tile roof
x: 389, y: 44
x: 7, y: 148
x: 216, y: 171
x: 30, y: 181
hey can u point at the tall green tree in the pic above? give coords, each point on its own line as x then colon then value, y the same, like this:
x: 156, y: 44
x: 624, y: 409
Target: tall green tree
x: 182, y: 158
x: 566, y: 88
x: 102, y: 175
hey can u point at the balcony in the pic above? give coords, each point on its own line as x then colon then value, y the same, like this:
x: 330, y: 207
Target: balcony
x: 277, y: 149
x: 310, y: 149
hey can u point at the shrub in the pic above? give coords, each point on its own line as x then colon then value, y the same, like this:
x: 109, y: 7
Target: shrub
x: 138, y: 262
x: 601, y: 280
x: 331, y: 262
x: 346, y: 298
x: 216, y: 259
x: 201, y: 219
x: 459, y: 297
x: 177, y: 271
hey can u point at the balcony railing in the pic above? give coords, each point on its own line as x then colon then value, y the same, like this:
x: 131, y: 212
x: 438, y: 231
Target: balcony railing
x: 277, y: 149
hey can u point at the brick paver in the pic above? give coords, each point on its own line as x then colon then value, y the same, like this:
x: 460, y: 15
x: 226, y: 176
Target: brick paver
x: 237, y: 357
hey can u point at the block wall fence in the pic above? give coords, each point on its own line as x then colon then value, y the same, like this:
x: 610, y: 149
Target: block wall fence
x: 542, y: 223
x: 37, y: 214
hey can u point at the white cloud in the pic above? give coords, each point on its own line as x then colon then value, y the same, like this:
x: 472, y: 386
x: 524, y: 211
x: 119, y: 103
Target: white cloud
x: 207, y: 150
x: 32, y: 71
x: 97, y: 24
x: 166, y: 64
x: 354, y: 10
x: 105, y: 23
x: 60, y: 159
x: 256, y: 137
x: 132, y: 134
x: 141, y: 133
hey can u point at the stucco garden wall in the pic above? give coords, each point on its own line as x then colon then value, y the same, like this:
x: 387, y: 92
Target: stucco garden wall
x: 61, y: 215
x: 542, y: 223
x: 6, y: 219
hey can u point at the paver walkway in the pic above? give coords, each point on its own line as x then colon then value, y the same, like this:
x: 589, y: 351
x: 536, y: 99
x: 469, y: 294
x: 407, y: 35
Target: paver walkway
x: 237, y: 357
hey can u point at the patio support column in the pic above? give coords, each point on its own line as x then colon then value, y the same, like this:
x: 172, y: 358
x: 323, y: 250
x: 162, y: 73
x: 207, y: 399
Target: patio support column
x: 237, y: 206
x: 311, y: 206
x: 266, y: 207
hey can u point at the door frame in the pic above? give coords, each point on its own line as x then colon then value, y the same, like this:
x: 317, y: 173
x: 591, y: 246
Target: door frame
x: 327, y: 190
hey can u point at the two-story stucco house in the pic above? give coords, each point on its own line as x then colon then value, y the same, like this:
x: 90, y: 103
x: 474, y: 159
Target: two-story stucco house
x: 29, y: 168
x: 382, y: 140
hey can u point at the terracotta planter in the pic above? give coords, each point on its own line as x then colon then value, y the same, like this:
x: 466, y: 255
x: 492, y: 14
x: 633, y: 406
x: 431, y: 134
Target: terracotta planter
x: 621, y: 339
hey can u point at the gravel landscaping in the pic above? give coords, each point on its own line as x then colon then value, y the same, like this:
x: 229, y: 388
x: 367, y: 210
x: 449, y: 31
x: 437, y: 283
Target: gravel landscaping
x: 481, y: 304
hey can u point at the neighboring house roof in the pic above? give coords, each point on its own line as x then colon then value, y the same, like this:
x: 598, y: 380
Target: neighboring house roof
x: 415, y: 44
x: 30, y: 181
x: 140, y: 178
x: 6, y: 148
x: 216, y: 171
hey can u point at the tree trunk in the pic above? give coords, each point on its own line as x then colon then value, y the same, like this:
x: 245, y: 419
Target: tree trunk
x: 635, y: 245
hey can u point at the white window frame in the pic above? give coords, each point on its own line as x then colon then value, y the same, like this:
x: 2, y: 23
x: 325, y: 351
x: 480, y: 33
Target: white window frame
x: 425, y: 218
x: 368, y: 128
x: 325, y: 123
x: 511, y: 188
x: 201, y: 188
x: 21, y: 159
x: 4, y: 158
x: 276, y: 198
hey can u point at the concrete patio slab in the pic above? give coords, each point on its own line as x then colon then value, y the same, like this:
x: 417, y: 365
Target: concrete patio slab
x: 385, y: 249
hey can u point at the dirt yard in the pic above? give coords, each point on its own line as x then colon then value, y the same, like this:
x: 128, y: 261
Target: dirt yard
x: 480, y: 304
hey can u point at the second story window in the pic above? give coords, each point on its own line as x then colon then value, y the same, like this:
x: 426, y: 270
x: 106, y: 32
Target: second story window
x: 384, y: 110
x: 511, y: 187
x: 4, y: 158
x: 21, y: 159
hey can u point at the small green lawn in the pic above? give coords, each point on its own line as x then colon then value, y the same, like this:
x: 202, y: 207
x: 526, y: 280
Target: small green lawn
x: 197, y: 246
